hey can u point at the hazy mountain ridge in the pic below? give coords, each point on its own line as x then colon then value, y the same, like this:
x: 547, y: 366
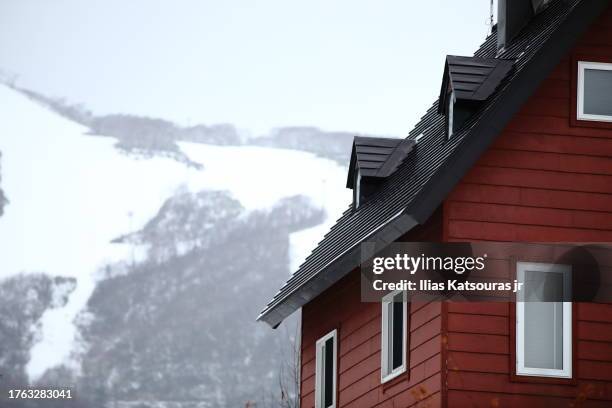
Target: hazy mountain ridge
x: 332, y: 145
x: 146, y: 136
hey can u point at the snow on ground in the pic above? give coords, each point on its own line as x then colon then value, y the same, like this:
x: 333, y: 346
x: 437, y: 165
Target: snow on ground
x: 71, y: 194
x: 258, y: 177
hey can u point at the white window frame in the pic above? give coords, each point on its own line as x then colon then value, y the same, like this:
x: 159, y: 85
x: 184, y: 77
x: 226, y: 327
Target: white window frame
x: 566, y: 372
x: 582, y: 66
x: 357, y: 188
x: 319, y: 356
x: 386, y: 374
x: 451, y: 103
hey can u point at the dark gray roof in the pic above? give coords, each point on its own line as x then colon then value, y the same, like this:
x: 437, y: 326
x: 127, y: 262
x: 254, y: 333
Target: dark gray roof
x: 429, y: 172
x: 473, y: 78
x: 377, y: 156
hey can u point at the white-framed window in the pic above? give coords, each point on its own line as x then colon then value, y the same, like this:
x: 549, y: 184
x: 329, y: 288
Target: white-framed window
x: 394, y: 338
x: 451, y: 104
x: 326, y: 370
x: 544, y: 325
x: 594, y: 91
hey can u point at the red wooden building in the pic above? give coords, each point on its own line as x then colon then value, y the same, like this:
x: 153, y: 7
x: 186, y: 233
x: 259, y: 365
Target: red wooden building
x: 517, y: 148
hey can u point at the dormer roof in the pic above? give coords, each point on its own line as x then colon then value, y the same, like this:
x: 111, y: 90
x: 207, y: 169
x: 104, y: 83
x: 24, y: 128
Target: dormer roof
x: 472, y: 78
x: 376, y: 157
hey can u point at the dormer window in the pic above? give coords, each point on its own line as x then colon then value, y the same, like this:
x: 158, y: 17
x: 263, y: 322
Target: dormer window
x: 373, y: 159
x: 357, y: 189
x: 595, y: 91
x: 451, y: 103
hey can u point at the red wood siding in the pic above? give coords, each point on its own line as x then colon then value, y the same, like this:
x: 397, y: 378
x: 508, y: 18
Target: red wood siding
x: 546, y: 178
x: 359, y: 330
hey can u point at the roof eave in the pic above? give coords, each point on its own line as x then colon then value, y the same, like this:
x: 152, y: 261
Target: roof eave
x: 339, y: 267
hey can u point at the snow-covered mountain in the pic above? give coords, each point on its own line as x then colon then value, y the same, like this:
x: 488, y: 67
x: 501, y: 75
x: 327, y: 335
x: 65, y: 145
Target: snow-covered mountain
x: 136, y: 274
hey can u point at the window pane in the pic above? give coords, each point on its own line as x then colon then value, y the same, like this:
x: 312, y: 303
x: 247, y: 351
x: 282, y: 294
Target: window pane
x: 543, y: 286
x: 398, y: 332
x: 598, y: 92
x: 389, y: 338
x: 328, y: 373
x: 544, y: 335
x: 543, y: 320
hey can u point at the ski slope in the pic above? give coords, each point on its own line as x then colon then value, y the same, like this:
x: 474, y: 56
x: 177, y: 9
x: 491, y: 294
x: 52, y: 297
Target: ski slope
x: 70, y: 194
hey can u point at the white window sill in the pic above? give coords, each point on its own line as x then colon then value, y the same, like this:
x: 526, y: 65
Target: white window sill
x: 543, y: 372
x: 594, y: 118
x: 393, y: 374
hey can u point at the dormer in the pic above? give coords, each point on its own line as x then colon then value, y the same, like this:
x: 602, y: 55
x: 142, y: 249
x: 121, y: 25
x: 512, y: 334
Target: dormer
x: 373, y: 159
x: 513, y: 16
x: 467, y: 83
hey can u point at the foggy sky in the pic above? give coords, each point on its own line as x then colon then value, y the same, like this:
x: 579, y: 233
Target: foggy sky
x: 357, y: 65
